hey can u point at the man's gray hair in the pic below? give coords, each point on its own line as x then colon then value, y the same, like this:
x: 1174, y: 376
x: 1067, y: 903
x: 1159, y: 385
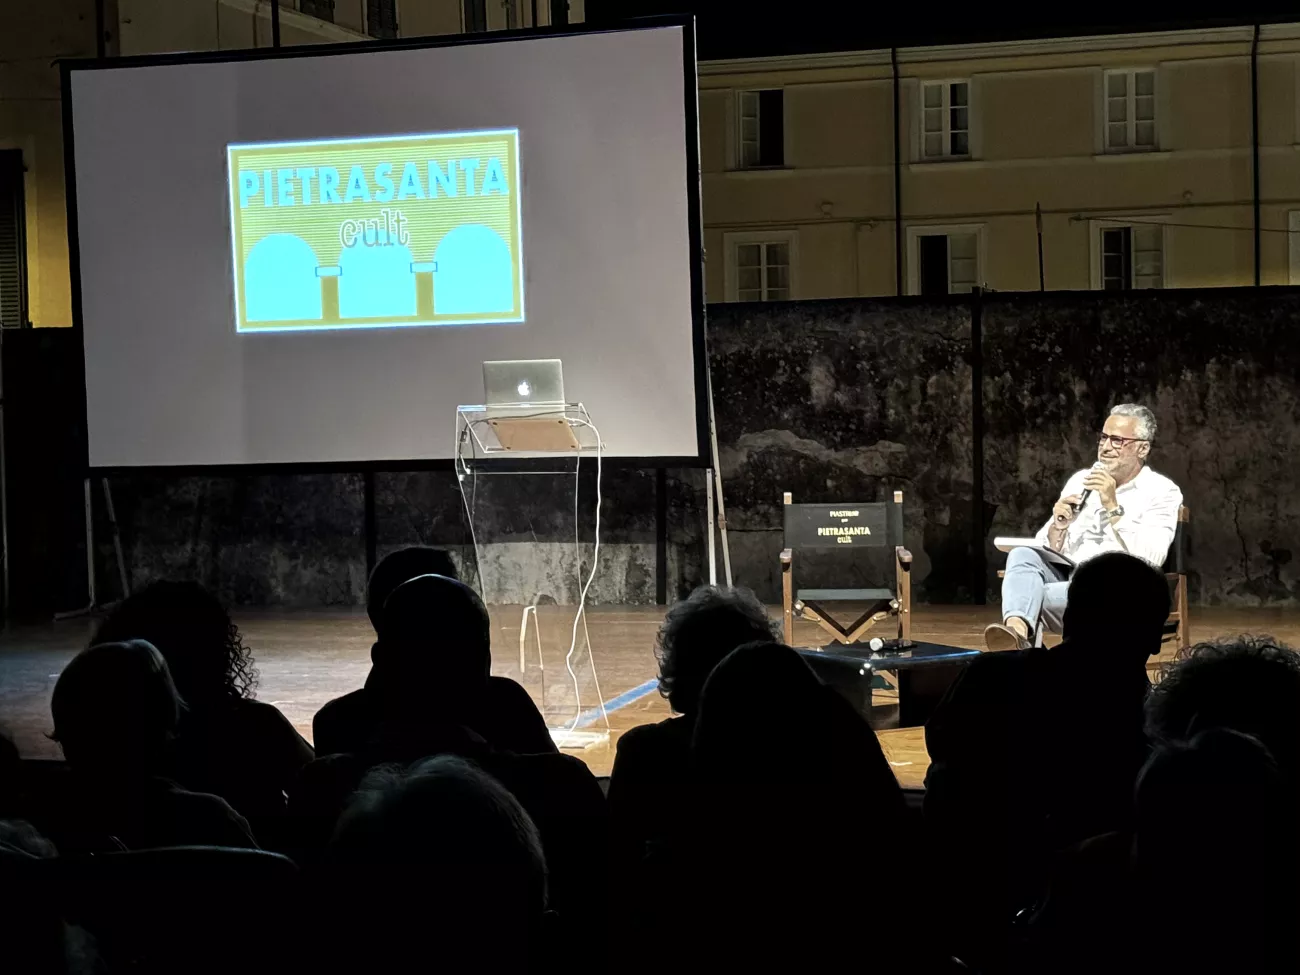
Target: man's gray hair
x: 1146, y: 420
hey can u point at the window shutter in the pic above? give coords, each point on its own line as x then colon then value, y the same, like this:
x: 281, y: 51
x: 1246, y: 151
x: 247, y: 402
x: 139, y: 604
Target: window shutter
x: 13, y: 241
x: 381, y: 17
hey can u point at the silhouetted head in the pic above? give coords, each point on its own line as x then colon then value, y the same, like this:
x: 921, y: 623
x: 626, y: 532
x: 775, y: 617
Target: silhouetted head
x: 399, y: 566
x: 196, y: 636
x: 1249, y: 684
x: 115, y: 708
x: 1119, y: 602
x: 435, y: 637
x: 1215, y: 853
x: 761, y: 709
x: 698, y: 632
x: 441, y: 847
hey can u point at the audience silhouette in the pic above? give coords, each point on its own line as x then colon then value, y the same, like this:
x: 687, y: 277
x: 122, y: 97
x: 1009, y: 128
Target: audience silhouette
x: 764, y: 838
x: 228, y: 744
x: 647, y: 798
x: 116, y: 713
x: 1032, y: 751
x: 435, y: 657
x: 432, y: 657
x: 1071, y: 808
x: 440, y: 854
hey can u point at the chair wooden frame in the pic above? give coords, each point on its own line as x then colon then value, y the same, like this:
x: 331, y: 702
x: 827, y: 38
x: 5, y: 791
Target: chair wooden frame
x: 1178, y: 625
x: 898, y: 604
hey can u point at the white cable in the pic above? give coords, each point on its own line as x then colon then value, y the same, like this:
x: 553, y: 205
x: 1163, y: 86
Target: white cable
x: 458, y: 464
x: 582, y: 595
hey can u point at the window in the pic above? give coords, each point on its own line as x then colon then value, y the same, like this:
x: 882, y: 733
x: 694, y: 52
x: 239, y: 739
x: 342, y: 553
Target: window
x: 760, y: 135
x: 320, y: 9
x: 945, y: 119
x: 1132, y: 257
x: 13, y: 241
x: 559, y: 12
x: 474, y: 13
x: 381, y: 18
x: 945, y: 262
x: 761, y: 265
x: 1130, y: 110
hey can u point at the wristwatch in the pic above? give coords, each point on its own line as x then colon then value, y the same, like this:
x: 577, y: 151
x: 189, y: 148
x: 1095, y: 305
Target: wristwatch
x: 1116, y: 512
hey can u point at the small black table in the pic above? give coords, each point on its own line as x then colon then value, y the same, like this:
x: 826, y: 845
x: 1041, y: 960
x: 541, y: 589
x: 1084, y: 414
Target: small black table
x: 924, y: 672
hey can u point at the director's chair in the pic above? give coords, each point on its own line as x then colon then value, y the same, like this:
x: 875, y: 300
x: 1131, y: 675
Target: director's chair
x: 846, y: 527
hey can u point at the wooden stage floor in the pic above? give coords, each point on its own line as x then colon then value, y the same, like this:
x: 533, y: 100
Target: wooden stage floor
x: 306, y: 659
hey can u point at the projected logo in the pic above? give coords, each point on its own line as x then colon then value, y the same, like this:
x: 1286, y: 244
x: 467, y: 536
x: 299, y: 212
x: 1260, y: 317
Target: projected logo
x: 371, y: 233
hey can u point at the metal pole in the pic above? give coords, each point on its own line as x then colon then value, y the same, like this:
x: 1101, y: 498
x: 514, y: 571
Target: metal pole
x: 1254, y: 140
x: 90, y: 559
x: 661, y: 537
x: 117, y: 539
x: 275, y: 23
x: 717, y: 477
x: 713, y: 554
x: 4, y: 497
x: 1038, y: 223
x: 898, y: 179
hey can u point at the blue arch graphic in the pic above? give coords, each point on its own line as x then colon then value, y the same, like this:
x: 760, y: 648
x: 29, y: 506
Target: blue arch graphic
x: 475, y: 272
x: 376, y: 282
x: 280, y: 283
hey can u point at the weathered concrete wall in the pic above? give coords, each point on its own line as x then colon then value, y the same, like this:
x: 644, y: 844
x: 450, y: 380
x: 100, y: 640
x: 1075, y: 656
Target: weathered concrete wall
x: 1221, y: 369
x: 846, y: 401
x: 835, y: 400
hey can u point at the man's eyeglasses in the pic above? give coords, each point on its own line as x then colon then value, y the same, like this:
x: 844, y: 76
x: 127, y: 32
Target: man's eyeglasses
x: 1119, y: 443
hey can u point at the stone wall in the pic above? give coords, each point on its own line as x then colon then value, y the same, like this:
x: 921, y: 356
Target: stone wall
x: 830, y: 400
x: 1220, y: 368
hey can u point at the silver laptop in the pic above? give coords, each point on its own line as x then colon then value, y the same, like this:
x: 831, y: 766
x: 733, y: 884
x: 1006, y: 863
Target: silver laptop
x: 523, y: 383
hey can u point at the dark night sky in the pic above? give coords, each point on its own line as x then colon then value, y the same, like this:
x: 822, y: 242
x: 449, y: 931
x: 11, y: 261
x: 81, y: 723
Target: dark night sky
x: 732, y: 28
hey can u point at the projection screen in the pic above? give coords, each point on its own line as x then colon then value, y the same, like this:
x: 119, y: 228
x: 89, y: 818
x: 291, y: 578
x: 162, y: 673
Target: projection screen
x: 304, y: 257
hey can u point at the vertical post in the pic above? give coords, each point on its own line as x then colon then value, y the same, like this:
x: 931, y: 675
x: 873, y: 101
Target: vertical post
x: 275, y: 23
x: 979, y: 558
x: 4, y: 498
x: 1254, y: 140
x: 661, y: 536
x: 787, y: 579
x: 368, y: 518
x: 902, y: 571
x: 124, y: 581
x: 1038, y: 224
x: 898, y: 178
x: 708, y: 501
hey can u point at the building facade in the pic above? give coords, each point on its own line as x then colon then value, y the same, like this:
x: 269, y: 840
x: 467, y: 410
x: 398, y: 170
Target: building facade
x: 1123, y: 161
x: 1168, y: 159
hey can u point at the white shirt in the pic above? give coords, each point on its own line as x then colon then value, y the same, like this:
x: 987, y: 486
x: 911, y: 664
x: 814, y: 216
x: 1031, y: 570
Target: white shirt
x: 1150, y: 502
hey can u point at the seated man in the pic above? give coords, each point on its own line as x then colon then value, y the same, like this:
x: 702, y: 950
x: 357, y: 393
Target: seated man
x: 456, y: 644
x: 1118, y: 505
x: 1033, y: 750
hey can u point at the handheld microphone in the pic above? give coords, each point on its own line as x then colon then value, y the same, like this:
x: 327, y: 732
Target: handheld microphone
x: 1083, y: 498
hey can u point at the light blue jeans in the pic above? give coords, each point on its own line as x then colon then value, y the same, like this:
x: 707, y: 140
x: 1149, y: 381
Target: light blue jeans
x: 1035, y: 590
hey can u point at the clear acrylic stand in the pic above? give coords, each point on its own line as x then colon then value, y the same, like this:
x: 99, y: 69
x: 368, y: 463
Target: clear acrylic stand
x: 548, y: 588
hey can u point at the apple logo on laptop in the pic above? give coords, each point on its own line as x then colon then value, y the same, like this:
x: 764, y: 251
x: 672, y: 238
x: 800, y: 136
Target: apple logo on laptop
x: 524, y: 389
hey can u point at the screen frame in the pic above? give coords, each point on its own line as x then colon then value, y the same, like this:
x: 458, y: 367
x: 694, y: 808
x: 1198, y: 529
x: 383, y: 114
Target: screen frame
x: 701, y: 458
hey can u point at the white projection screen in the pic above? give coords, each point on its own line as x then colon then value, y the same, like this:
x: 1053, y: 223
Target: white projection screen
x: 304, y: 257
